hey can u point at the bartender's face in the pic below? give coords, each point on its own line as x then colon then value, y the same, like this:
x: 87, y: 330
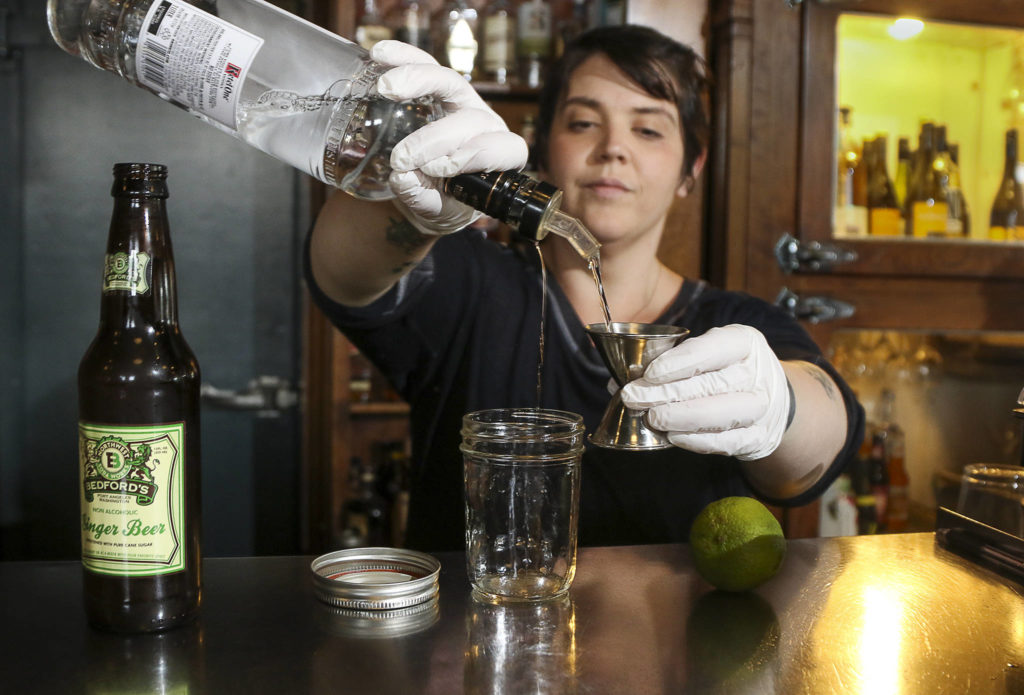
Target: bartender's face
x: 616, y: 152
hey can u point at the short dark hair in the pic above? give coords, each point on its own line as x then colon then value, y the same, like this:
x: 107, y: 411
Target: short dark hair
x: 663, y: 67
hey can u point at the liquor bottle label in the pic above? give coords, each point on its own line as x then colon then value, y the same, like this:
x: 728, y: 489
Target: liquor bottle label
x: 534, y: 29
x: 127, y: 271
x: 194, y: 58
x: 929, y: 220
x: 133, y: 498
x: 885, y: 222
x: 499, y: 42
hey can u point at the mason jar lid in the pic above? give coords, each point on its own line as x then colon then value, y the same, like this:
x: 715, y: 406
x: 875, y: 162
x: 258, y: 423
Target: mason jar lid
x: 375, y: 578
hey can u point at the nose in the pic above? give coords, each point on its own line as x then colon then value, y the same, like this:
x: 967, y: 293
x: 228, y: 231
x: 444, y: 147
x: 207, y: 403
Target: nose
x: 612, y: 145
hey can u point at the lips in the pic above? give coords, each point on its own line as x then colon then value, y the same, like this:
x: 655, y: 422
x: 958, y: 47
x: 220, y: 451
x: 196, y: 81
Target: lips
x: 606, y: 183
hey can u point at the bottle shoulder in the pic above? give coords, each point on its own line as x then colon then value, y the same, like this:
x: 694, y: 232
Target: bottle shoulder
x: 142, y: 354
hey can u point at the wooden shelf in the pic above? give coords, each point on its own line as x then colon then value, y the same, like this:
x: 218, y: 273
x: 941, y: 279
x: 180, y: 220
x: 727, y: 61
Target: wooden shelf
x: 379, y: 408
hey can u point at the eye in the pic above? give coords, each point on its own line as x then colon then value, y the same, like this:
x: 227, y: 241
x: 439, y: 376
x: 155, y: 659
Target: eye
x: 649, y: 133
x: 579, y: 125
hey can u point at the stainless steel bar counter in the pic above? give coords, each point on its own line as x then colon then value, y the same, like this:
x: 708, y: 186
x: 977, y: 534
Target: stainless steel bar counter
x: 877, y: 614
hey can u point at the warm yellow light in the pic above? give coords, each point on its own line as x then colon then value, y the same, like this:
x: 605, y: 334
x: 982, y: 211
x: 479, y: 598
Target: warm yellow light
x: 905, y: 28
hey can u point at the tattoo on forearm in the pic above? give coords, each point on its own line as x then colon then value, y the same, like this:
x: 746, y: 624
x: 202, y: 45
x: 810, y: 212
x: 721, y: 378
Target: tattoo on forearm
x: 402, y: 234
x: 822, y: 378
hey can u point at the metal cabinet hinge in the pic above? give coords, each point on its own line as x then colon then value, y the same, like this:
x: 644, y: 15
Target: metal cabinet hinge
x: 813, y: 309
x: 794, y: 255
x: 267, y: 395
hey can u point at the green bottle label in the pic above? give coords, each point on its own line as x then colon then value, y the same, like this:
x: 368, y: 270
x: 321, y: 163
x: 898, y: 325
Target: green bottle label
x: 133, y: 498
x: 127, y: 271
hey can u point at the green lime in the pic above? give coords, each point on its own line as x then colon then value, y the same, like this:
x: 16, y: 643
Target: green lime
x: 737, y: 543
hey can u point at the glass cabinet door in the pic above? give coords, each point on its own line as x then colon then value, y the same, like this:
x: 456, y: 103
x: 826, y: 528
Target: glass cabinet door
x: 921, y: 115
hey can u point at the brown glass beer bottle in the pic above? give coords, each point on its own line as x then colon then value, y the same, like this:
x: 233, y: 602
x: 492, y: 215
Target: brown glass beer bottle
x: 138, y: 400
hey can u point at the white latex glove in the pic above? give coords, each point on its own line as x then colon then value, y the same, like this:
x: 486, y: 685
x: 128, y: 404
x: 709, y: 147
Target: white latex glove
x: 723, y: 392
x: 469, y: 138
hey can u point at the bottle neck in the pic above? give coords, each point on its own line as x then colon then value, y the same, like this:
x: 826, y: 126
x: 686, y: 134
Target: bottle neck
x: 138, y: 274
x: 1010, y: 162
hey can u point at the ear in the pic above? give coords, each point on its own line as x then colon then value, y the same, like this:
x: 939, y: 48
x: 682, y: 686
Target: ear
x: 688, y: 182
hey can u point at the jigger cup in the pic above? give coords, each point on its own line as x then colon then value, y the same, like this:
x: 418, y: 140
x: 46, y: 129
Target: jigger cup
x: 627, y: 349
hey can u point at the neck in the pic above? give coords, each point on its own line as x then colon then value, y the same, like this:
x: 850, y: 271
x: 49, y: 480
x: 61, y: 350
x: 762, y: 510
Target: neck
x: 638, y: 286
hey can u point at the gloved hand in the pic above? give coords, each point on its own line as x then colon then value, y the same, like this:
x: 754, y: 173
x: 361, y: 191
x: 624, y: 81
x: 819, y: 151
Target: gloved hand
x: 469, y: 138
x: 723, y: 392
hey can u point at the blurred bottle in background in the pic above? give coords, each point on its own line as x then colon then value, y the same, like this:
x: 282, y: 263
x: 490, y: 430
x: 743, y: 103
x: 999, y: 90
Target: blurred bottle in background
x: 902, y: 171
x: 850, y: 218
x: 957, y: 202
x: 370, y: 27
x: 579, y: 20
x: 454, y: 30
x: 1007, y: 212
x: 884, y: 218
x: 533, y: 41
x: 927, y: 208
x: 499, y: 32
x: 409, y: 21
x: 897, y: 512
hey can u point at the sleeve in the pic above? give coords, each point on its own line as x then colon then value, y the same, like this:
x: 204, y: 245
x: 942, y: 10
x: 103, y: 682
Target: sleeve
x: 412, y: 328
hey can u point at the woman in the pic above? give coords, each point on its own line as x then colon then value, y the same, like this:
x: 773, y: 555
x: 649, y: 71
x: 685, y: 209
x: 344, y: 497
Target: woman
x: 454, y: 320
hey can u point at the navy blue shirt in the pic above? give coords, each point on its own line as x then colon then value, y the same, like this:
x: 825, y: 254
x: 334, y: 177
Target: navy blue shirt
x: 461, y: 333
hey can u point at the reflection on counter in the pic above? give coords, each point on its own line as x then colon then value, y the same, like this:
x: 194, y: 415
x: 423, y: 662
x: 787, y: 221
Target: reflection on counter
x: 950, y: 395
x: 521, y: 647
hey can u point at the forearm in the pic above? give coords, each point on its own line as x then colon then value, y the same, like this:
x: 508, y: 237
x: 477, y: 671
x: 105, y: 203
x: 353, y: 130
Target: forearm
x: 360, y: 249
x: 813, y: 439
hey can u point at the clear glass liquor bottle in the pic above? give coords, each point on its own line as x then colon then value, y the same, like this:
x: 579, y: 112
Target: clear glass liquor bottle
x: 291, y: 89
x: 274, y: 80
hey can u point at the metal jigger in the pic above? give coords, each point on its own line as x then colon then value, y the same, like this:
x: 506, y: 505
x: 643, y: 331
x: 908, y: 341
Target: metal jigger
x: 627, y: 349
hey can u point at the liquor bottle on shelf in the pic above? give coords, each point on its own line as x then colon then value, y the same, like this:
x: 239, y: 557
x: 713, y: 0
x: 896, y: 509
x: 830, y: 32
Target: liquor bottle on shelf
x: 533, y: 41
x: 884, y: 217
x: 454, y: 31
x: 1007, y: 213
x: 902, y: 171
x: 850, y: 218
x: 360, y: 376
x: 878, y: 474
x: 926, y: 209
x: 897, y: 512
x: 499, y: 32
x: 138, y: 404
x: 947, y: 177
x: 579, y: 20
x: 364, y: 519
x: 371, y: 27
x: 409, y: 21
x: 860, y: 479
x: 957, y: 201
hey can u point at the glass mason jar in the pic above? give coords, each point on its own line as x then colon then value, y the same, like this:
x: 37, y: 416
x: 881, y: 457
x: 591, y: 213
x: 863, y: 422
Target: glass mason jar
x: 522, y: 490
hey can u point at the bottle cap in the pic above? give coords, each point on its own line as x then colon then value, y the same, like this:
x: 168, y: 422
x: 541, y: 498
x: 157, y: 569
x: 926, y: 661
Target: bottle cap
x: 375, y: 579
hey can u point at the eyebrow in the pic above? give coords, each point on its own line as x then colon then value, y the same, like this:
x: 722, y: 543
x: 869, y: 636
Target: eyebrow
x: 642, y: 110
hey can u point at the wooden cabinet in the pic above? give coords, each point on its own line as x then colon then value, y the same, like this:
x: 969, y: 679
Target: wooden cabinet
x: 772, y: 172
x: 337, y: 429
